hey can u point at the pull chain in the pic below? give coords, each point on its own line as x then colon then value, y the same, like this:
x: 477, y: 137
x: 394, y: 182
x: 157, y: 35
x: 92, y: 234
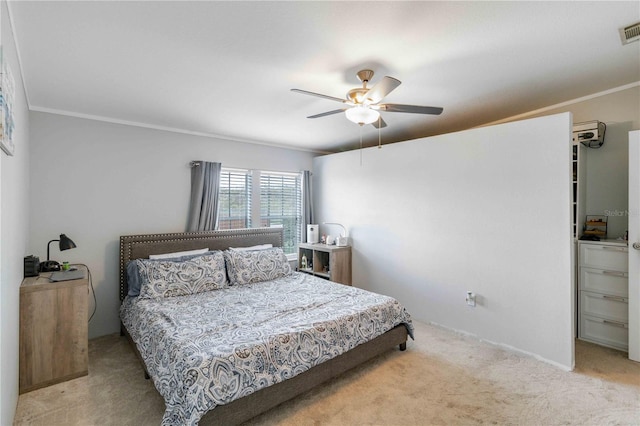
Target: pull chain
x: 379, y: 137
x: 361, y: 145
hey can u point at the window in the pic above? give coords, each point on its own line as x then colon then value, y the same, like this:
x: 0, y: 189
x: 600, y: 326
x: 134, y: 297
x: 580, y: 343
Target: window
x: 277, y: 201
x: 234, y: 202
x: 281, y: 205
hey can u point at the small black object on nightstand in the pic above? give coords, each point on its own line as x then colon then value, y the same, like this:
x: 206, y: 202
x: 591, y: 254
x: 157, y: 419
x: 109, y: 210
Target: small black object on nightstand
x: 31, y: 264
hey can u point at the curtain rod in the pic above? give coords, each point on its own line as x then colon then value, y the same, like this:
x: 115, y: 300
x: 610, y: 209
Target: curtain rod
x: 197, y: 164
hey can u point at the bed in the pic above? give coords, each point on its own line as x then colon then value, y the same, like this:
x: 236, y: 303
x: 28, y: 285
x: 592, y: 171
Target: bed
x: 227, y: 354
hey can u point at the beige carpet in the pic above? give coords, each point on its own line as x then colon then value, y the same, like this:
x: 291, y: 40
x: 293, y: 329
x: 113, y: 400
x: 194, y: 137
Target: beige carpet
x: 442, y: 379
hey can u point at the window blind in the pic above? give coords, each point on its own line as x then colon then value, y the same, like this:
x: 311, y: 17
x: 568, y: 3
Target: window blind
x: 281, y: 205
x: 234, y: 203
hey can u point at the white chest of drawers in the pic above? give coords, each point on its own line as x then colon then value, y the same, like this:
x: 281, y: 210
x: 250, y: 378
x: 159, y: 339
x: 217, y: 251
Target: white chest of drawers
x: 603, y: 290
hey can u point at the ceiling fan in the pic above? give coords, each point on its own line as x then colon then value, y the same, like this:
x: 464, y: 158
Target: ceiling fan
x: 363, y: 103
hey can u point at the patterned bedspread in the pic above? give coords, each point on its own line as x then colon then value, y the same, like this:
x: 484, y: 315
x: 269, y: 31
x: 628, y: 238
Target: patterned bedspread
x: 211, y: 348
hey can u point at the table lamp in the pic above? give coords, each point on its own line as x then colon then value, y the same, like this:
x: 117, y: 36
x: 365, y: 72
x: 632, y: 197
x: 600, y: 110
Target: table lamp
x: 65, y: 243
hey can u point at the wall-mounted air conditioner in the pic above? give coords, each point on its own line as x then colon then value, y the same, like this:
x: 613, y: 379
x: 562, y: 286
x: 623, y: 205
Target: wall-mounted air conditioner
x: 589, y: 133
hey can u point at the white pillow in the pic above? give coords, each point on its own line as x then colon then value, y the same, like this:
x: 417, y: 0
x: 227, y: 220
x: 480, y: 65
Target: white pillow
x: 252, y: 248
x: 178, y: 254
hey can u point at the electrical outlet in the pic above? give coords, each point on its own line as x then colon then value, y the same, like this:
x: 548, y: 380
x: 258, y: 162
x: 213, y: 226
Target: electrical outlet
x: 471, y: 299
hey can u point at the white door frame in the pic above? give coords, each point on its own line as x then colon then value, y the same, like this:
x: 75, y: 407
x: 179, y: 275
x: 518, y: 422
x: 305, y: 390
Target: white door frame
x: 634, y: 241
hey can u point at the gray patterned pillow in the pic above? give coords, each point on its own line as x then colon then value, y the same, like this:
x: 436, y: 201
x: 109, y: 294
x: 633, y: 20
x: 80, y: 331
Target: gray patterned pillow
x: 168, y: 278
x: 246, y: 267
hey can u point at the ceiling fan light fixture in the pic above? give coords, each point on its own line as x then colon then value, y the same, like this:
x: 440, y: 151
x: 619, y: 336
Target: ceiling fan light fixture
x: 361, y: 114
x: 362, y: 104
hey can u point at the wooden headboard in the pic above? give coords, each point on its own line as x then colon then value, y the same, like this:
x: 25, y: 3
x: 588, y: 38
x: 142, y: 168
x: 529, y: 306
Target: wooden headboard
x: 141, y: 246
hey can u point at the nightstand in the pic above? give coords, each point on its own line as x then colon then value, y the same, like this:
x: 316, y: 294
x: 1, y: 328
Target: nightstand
x: 329, y: 262
x: 53, y: 331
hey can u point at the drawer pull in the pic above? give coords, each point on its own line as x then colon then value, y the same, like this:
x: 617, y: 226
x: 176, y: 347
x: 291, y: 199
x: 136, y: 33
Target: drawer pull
x: 617, y: 274
x: 614, y: 248
x: 616, y: 298
x: 615, y: 323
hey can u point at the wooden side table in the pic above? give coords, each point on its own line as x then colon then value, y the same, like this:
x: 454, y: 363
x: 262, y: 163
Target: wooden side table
x: 53, y: 331
x: 330, y: 262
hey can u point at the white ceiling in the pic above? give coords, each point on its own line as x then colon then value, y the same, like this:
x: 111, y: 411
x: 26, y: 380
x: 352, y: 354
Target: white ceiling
x: 225, y: 68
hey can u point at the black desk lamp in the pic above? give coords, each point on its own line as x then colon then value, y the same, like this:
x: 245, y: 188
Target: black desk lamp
x: 52, y: 265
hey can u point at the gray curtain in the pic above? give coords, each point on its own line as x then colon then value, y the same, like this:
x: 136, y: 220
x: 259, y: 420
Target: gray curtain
x: 307, y: 202
x: 203, y: 206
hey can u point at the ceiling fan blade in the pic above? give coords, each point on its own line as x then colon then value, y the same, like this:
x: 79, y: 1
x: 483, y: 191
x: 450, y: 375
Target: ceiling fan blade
x: 382, y: 89
x: 319, y: 95
x: 379, y: 123
x: 324, y: 114
x: 416, y: 109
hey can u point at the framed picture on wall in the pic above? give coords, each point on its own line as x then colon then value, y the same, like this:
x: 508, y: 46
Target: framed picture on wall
x: 7, y: 96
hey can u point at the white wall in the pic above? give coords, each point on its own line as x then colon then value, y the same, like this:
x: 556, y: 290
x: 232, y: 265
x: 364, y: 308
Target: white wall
x: 14, y: 228
x: 96, y: 181
x: 484, y: 210
x: 607, y: 170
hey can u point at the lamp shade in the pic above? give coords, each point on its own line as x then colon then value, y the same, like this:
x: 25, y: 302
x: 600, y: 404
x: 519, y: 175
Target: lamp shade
x: 66, y: 243
x: 361, y: 114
